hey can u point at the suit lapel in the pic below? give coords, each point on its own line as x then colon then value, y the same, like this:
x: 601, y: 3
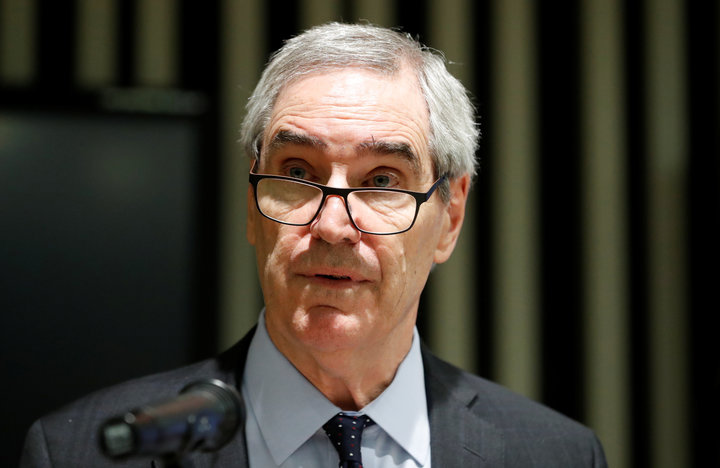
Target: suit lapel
x: 458, y: 435
x: 229, y: 367
x: 235, y: 453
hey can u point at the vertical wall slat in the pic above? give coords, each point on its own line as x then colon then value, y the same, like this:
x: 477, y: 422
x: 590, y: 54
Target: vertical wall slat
x: 17, y: 41
x: 156, y: 43
x: 314, y: 12
x: 452, y: 308
x: 242, y: 59
x: 515, y: 188
x: 378, y: 12
x: 96, y: 43
x: 666, y: 167
x: 606, y: 317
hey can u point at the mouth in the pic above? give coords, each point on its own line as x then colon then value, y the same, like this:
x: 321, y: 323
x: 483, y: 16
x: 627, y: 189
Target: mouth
x: 334, y: 277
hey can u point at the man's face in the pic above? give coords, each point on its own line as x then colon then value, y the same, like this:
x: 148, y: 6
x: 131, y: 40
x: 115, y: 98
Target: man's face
x: 327, y: 286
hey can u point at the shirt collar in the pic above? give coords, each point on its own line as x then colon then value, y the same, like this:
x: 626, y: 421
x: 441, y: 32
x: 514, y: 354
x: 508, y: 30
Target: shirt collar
x: 401, y: 410
x: 289, y: 409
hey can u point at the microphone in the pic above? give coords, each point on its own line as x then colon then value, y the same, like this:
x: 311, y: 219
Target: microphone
x: 204, y: 416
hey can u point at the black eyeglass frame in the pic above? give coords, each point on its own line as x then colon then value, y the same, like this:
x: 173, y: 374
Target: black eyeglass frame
x: 420, y: 198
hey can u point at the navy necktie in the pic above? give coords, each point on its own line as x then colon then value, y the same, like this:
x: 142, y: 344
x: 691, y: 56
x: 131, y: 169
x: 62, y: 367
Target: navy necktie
x: 345, y: 433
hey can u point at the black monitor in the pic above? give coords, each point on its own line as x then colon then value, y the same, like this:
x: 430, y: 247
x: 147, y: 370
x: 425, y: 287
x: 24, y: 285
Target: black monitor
x: 100, y: 251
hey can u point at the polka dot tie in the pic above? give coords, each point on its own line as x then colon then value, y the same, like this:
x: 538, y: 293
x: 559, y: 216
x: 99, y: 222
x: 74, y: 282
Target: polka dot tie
x: 345, y: 433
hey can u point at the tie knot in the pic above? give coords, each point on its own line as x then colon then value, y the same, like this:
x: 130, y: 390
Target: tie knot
x: 345, y: 433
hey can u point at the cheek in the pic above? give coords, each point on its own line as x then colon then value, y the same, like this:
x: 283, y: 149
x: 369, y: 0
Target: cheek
x: 392, y: 260
x: 405, y: 266
x: 418, y: 251
x: 263, y: 242
x: 274, y: 248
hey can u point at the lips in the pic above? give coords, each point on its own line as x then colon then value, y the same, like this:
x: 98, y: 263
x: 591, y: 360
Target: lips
x: 333, y: 281
x: 334, y: 274
x: 334, y: 277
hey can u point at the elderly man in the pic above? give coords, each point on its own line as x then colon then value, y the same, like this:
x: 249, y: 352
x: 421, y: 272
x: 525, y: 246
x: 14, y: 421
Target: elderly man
x: 362, y: 148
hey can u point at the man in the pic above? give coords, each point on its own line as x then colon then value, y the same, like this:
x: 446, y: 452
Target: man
x: 363, y: 151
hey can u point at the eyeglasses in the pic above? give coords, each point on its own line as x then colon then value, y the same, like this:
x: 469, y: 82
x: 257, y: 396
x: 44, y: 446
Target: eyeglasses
x: 296, y: 202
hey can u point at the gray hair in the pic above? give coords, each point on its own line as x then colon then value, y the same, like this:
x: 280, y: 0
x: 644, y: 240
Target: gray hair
x: 454, y: 134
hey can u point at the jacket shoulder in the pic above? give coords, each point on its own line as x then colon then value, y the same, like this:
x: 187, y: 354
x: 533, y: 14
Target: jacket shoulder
x: 530, y: 432
x: 68, y: 437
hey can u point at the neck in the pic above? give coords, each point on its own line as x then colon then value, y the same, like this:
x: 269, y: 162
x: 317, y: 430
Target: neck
x: 350, y: 378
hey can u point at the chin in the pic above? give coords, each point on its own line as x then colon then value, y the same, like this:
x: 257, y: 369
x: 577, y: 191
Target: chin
x: 328, y: 328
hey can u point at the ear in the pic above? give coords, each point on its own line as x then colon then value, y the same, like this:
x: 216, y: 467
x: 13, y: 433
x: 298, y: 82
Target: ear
x: 251, y: 216
x: 454, y: 215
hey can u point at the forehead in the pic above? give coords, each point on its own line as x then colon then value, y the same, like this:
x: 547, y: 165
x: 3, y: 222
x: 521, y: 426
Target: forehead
x: 350, y: 107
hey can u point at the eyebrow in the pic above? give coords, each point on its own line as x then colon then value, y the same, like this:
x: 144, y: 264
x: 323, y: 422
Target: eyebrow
x: 380, y: 147
x: 385, y: 147
x: 286, y: 137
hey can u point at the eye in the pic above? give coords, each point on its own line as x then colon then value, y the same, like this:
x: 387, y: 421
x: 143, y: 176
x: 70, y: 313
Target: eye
x: 382, y: 181
x: 297, y: 172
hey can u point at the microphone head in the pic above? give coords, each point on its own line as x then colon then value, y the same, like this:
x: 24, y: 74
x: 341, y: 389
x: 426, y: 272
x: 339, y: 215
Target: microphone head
x: 204, y: 416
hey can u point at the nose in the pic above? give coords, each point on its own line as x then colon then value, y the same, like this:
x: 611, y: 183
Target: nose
x: 333, y: 224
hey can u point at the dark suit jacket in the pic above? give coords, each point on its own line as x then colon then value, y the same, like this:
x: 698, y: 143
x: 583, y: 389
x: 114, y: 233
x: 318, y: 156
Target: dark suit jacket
x: 473, y: 422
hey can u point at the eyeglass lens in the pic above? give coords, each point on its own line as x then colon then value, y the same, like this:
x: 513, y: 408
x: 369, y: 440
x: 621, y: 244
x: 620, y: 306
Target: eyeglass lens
x: 373, y: 211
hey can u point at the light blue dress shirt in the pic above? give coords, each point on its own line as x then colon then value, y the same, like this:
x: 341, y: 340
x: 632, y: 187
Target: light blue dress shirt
x: 285, y: 414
